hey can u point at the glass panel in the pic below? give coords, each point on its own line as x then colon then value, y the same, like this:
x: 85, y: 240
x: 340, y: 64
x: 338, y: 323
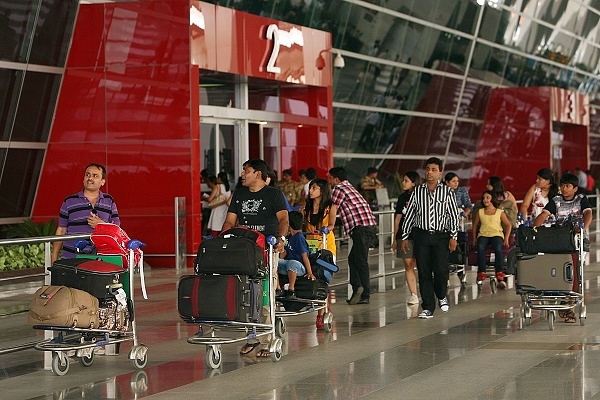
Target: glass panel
x: 271, y: 146
x: 16, y: 29
x: 36, y: 107
x: 217, y: 89
x: 10, y: 88
x: 53, y: 31
x: 17, y: 187
x: 207, y: 144
x: 263, y: 95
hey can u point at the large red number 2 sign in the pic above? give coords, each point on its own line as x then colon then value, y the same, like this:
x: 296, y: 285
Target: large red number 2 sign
x: 273, y: 34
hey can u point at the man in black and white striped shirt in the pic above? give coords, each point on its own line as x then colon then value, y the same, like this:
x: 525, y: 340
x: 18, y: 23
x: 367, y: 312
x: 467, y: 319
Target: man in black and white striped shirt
x: 432, y: 218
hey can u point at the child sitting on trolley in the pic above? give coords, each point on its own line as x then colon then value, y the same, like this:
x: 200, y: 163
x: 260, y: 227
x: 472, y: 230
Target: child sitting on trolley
x: 492, y: 227
x: 569, y: 204
x: 293, y: 260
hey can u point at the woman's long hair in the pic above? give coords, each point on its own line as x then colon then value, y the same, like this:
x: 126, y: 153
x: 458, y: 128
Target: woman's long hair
x: 546, y: 173
x: 324, y: 205
x: 224, y: 180
x: 497, y: 187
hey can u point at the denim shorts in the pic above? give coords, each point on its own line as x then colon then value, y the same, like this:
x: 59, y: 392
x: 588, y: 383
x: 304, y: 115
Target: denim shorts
x: 283, y: 266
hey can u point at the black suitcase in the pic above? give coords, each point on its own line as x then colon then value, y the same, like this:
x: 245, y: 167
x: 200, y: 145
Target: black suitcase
x: 93, y: 276
x: 230, y: 255
x: 544, y: 272
x: 307, y: 289
x: 220, y: 298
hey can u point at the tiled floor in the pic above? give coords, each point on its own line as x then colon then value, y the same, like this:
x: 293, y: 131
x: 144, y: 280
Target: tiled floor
x: 479, y: 350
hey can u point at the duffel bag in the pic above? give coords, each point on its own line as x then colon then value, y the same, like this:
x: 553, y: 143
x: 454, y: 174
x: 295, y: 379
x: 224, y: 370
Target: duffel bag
x: 63, y: 306
x: 554, y: 239
x: 237, y: 251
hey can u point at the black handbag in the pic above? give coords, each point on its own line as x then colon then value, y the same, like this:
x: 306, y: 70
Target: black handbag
x: 554, y: 239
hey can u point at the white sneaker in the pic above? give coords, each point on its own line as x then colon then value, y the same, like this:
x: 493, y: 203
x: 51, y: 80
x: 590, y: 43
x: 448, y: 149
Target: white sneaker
x: 413, y: 299
x: 425, y: 314
x: 444, y: 306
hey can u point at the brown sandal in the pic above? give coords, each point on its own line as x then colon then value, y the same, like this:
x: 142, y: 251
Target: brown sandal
x: 570, y: 317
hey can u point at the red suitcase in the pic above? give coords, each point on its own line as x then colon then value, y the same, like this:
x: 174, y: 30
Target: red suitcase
x: 219, y: 297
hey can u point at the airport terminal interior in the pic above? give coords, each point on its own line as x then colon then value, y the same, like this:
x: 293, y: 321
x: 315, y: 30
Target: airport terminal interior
x: 128, y: 83
x: 483, y: 348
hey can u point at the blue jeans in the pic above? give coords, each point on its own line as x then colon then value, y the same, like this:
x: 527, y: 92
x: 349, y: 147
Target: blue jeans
x: 496, y: 243
x: 358, y: 259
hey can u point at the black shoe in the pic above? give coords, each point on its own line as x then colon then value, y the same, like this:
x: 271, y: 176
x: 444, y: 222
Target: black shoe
x: 291, y: 295
x: 279, y: 293
x: 355, y: 296
x: 363, y: 301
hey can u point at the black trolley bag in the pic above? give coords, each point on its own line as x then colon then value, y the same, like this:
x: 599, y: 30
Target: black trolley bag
x: 237, y: 251
x: 93, y: 276
x: 220, y: 298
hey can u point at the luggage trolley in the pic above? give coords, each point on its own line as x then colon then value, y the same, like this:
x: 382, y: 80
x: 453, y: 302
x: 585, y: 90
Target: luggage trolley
x: 237, y: 331
x: 299, y: 306
x: 544, y: 282
x: 109, y: 240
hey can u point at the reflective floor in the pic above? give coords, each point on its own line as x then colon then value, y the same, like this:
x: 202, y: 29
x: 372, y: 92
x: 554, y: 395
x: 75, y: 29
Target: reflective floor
x: 481, y: 349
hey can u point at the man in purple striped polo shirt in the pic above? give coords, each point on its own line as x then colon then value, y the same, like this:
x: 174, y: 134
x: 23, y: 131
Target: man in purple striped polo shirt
x: 81, y: 212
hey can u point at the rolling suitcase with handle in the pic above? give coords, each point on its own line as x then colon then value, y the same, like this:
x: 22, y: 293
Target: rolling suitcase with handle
x: 220, y: 297
x: 545, y: 272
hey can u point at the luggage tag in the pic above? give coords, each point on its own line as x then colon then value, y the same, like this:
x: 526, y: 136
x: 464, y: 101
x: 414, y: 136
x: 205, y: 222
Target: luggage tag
x: 121, y: 297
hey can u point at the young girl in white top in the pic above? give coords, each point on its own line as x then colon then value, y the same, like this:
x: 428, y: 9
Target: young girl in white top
x: 537, y: 196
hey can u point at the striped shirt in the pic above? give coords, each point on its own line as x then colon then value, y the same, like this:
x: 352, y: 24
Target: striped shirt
x: 74, y: 212
x: 431, y: 211
x: 353, y: 209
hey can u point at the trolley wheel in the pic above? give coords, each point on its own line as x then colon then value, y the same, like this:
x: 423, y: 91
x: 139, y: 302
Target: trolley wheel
x: 276, y: 349
x: 139, y: 382
x: 493, y: 285
x: 139, y: 356
x: 327, y: 321
x: 551, y: 319
x: 213, y: 356
x: 279, y: 326
x: 60, y: 365
x: 527, y: 321
x: 87, y: 361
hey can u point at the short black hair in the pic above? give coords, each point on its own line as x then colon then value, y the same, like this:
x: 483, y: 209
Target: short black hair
x: 296, y: 220
x: 310, y: 173
x: 99, y: 166
x: 372, y: 170
x: 569, y: 178
x: 288, y: 172
x: 259, y: 165
x: 435, y: 160
x: 339, y: 172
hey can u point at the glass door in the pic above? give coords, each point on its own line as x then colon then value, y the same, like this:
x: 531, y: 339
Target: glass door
x: 218, y: 145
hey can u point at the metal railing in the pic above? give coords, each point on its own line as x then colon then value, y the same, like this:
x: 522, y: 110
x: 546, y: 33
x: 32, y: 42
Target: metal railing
x: 47, y: 240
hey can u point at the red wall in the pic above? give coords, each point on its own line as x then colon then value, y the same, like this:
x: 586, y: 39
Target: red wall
x: 515, y: 137
x: 129, y: 100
